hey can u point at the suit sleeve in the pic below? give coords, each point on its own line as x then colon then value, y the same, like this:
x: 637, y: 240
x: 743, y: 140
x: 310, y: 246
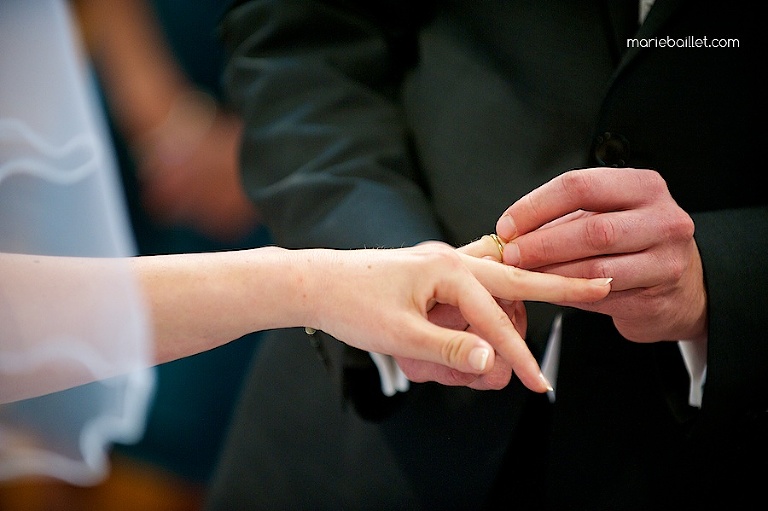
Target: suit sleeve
x: 733, y: 244
x: 325, y: 154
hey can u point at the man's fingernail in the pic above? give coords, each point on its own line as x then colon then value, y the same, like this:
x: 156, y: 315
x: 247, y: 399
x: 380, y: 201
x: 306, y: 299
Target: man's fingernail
x: 505, y: 228
x: 478, y: 358
x: 602, y: 282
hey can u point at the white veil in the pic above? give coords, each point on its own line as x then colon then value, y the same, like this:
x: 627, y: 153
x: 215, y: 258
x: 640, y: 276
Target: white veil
x: 60, y: 195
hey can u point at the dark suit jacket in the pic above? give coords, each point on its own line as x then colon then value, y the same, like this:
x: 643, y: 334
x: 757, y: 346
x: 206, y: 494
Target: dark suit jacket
x: 382, y: 123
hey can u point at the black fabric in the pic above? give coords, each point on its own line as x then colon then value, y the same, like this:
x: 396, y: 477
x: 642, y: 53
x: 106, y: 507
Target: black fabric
x: 522, y: 475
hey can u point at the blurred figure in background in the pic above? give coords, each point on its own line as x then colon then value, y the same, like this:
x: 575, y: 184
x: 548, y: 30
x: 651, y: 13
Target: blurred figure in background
x: 164, y: 100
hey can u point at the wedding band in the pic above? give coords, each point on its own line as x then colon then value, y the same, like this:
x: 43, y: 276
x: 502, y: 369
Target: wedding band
x: 499, y: 245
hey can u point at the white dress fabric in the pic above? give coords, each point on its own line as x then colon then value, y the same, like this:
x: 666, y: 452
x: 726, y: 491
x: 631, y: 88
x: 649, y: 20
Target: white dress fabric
x: 60, y: 195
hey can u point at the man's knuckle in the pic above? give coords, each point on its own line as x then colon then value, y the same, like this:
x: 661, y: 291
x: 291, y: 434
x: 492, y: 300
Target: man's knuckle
x: 600, y: 232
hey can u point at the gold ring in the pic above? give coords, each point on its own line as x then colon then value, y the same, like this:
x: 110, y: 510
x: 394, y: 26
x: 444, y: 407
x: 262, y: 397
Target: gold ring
x: 499, y: 245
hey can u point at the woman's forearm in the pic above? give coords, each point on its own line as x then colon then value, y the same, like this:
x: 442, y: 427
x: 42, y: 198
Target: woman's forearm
x: 375, y: 300
x: 200, y: 301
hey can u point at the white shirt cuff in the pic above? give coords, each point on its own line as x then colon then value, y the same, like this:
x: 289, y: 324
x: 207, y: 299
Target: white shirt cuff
x: 695, y: 358
x: 392, y: 378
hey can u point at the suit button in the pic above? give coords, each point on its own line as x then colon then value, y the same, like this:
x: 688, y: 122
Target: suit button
x: 611, y: 149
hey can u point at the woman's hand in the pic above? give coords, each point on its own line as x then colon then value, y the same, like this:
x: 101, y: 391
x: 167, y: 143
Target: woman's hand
x: 380, y: 301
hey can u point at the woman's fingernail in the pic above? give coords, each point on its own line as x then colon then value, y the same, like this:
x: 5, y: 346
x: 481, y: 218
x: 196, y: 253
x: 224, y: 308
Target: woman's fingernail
x: 511, y: 254
x: 549, y: 386
x: 602, y: 282
x: 478, y: 358
x: 505, y: 228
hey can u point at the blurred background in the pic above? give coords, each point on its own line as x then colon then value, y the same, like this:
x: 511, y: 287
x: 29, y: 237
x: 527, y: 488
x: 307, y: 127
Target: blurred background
x: 158, y: 65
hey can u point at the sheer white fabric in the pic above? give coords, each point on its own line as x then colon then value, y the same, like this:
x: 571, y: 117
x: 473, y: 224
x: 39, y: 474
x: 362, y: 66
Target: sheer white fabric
x: 60, y: 195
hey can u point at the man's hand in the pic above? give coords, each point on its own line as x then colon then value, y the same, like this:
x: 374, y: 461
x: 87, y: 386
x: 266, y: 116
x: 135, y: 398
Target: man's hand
x: 621, y: 223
